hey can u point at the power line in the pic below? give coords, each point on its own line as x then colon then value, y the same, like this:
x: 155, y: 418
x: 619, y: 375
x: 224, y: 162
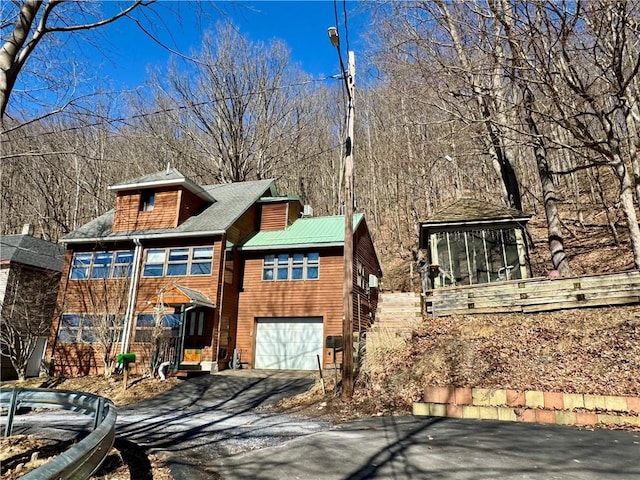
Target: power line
x: 124, y: 120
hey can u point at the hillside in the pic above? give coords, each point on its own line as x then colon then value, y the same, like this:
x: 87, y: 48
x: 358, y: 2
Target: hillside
x: 589, y: 350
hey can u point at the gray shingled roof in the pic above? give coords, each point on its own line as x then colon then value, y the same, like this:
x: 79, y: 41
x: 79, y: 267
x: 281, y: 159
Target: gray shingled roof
x: 231, y: 201
x: 31, y: 251
x: 470, y: 210
x: 167, y: 177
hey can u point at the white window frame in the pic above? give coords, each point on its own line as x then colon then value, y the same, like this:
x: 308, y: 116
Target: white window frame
x: 113, y: 270
x: 194, y: 259
x: 274, y: 264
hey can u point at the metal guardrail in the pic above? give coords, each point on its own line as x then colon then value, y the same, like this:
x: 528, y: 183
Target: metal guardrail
x: 84, y: 458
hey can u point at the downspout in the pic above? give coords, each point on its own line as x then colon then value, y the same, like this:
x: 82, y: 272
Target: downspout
x: 219, y: 304
x: 131, y: 303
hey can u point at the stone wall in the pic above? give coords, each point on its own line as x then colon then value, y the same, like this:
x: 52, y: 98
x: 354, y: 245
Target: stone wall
x: 529, y: 406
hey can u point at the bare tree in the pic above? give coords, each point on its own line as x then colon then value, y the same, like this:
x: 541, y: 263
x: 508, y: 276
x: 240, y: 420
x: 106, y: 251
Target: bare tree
x: 26, y: 313
x: 522, y: 74
x: 29, y: 22
x: 588, y: 73
x: 105, y: 302
x: 237, y: 102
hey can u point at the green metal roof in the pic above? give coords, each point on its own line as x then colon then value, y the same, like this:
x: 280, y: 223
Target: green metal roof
x: 304, y: 232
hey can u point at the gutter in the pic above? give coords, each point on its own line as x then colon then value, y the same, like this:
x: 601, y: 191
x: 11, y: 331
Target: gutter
x: 127, y: 237
x: 289, y: 246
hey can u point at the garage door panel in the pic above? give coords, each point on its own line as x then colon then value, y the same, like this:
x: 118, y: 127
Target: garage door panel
x: 288, y: 343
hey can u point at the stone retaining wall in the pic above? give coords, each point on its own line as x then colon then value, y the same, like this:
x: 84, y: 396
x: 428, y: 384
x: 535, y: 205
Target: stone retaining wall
x: 528, y: 406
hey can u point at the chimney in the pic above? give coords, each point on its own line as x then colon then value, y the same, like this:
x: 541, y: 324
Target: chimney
x: 27, y: 229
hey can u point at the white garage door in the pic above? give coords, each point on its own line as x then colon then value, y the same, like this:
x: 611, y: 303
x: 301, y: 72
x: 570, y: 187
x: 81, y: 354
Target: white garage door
x: 288, y: 343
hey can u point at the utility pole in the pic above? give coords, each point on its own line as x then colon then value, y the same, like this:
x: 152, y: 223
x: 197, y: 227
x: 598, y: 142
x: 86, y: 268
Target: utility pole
x: 347, y: 324
x: 347, y: 289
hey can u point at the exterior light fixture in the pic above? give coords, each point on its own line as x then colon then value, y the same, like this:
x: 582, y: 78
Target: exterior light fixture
x: 333, y: 36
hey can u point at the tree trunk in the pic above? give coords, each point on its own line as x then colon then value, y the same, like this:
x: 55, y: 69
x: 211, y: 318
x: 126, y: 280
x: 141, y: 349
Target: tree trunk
x: 628, y: 207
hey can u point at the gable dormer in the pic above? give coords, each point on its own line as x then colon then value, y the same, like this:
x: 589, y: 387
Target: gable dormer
x: 160, y: 200
x: 277, y: 213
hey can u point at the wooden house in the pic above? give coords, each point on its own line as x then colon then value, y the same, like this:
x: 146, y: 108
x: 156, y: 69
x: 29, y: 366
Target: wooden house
x: 29, y: 275
x: 190, y: 274
x: 474, y: 242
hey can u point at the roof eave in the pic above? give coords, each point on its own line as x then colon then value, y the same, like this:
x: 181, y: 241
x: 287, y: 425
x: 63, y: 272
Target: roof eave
x: 189, y: 185
x: 266, y: 248
x: 474, y: 222
x: 142, y: 237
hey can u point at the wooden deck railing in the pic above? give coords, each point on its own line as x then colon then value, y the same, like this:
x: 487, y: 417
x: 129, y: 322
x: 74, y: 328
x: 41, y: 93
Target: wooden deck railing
x: 536, y: 294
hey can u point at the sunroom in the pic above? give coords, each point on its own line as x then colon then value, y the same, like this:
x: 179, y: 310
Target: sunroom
x: 473, y: 242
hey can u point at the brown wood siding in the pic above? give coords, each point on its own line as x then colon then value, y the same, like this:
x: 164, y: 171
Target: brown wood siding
x: 164, y: 214
x: 365, y: 302
x: 79, y: 296
x: 59, y: 310
x: 190, y: 204
x: 309, y: 298
x: 294, y: 211
x: 274, y: 216
x: 78, y: 359
x: 246, y: 224
x: 208, y: 285
x: 229, y: 311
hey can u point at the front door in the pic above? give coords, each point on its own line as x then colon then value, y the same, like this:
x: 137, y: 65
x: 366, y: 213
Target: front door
x: 197, y: 335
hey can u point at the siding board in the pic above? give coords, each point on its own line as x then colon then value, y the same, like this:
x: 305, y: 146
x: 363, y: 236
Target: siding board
x: 308, y: 298
x: 274, y: 216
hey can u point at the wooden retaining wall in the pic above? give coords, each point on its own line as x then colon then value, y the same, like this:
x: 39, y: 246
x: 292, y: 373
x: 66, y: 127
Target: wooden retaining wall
x: 536, y: 294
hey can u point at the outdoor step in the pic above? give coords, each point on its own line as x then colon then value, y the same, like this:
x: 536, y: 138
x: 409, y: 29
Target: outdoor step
x: 393, y: 316
x: 390, y: 300
x: 400, y: 309
x: 191, y: 366
x: 185, y: 374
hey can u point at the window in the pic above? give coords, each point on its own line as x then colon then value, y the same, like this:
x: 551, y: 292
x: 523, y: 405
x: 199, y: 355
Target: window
x: 195, y: 324
x: 201, y: 262
x: 69, y: 330
x: 102, y: 265
x: 81, y: 265
x: 363, y: 280
x: 147, y: 331
x: 295, y: 266
x: 84, y: 328
x: 476, y: 256
x: 175, y: 262
x: 154, y: 263
x: 147, y: 200
x: 122, y: 264
x: 96, y: 265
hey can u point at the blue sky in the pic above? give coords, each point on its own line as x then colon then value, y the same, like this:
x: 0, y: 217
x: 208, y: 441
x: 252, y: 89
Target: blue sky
x: 302, y: 25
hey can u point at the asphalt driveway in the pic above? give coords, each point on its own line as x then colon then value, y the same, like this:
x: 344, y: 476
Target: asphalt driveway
x: 208, y: 428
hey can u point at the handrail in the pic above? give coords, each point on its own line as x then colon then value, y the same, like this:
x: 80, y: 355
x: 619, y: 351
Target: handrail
x: 85, y: 457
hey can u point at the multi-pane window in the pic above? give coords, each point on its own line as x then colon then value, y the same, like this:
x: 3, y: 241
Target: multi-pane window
x: 150, y: 327
x: 291, y: 266
x: 175, y: 262
x: 85, y: 328
x: 95, y: 265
